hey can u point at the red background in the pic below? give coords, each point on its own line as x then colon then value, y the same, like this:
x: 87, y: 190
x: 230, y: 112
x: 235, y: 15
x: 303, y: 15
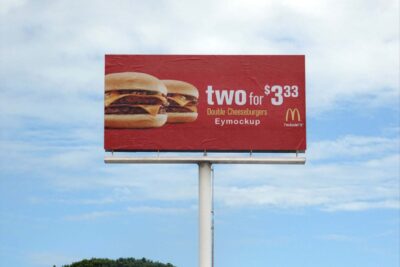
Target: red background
x: 249, y: 73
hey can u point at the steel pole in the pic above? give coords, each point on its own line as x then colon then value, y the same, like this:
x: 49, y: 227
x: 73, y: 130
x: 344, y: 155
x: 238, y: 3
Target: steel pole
x: 205, y: 206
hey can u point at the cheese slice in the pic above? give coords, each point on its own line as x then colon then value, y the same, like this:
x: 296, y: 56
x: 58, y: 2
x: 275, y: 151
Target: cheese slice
x: 112, y: 97
x: 192, y: 108
x: 151, y: 109
x: 180, y: 100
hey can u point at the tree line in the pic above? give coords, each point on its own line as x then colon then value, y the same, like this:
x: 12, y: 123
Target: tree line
x: 121, y: 262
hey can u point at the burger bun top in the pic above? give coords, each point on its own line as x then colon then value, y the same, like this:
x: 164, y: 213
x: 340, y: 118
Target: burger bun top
x: 180, y: 87
x: 133, y: 80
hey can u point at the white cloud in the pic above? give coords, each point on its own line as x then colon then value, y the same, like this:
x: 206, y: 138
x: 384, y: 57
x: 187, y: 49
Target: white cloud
x: 366, y: 178
x: 55, y: 49
x: 355, y: 185
x: 360, y: 206
x: 353, y: 147
x: 92, y: 215
x: 264, y: 195
x: 7, y: 6
x: 158, y: 210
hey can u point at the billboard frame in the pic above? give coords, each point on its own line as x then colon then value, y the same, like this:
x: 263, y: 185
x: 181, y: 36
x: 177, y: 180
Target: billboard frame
x: 279, y: 65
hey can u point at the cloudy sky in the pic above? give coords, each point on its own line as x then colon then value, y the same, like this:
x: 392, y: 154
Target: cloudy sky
x: 60, y: 203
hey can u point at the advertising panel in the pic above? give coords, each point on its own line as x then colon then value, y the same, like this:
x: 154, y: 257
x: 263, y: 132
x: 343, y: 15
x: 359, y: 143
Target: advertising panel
x: 204, y: 103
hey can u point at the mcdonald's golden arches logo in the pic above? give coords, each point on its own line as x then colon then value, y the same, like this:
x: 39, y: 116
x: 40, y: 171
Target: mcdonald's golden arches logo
x: 293, y: 113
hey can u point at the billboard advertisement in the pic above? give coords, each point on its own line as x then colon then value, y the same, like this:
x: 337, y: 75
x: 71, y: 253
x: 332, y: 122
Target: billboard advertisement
x: 204, y: 103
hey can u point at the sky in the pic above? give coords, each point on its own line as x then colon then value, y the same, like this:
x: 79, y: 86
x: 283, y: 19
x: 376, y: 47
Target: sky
x: 60, y: 203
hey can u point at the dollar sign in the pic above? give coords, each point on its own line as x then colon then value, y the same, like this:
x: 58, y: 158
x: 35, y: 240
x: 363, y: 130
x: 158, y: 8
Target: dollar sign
x: 267, y: 89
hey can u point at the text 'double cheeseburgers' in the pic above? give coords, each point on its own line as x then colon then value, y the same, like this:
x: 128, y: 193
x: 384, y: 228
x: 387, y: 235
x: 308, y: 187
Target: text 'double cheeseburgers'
x: 182, y: 98
x: 134, y: 100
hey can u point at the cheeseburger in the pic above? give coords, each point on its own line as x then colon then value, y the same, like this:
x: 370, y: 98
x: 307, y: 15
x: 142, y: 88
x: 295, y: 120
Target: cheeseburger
x: 134, y: 100
x: 182, y: 98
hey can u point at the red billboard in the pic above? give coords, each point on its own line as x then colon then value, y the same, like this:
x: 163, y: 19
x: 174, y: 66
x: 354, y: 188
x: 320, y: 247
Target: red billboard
x: 204, y: 103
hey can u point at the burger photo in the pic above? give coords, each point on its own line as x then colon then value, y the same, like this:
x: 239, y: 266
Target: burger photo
x: 134, y: 100
x: 182, y: 98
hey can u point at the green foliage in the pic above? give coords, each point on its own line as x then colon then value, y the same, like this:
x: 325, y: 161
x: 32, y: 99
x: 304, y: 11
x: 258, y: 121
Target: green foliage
x: 122, y: 262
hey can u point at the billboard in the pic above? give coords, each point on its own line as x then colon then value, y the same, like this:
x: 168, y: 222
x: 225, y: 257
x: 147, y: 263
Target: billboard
x: 204, y: 103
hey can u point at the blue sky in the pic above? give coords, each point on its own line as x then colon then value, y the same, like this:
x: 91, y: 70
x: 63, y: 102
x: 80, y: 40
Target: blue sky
x: 60, y: 203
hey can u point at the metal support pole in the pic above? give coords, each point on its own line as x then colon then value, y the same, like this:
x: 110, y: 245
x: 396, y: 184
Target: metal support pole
x: 205, y: 207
